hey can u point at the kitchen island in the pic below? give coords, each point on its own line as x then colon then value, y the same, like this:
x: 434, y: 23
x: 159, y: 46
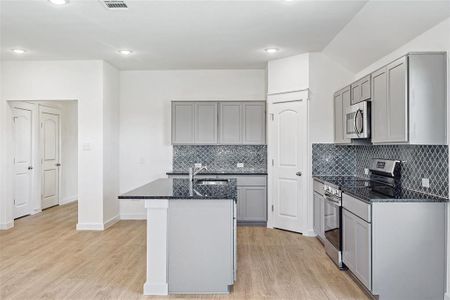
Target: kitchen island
x: 191, y: 235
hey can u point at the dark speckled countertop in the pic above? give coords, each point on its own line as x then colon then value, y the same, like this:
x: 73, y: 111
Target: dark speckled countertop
x: 361, y: 189
x: 232, y: 172
x: 178, y: 188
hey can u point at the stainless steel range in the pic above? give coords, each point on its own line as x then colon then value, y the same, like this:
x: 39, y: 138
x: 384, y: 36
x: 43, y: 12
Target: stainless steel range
x: 384, y: 179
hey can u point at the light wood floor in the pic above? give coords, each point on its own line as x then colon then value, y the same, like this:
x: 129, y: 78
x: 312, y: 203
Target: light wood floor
x: 44, y: 257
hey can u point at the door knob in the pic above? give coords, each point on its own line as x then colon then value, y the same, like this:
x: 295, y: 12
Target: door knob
x: 30, y: 168
x: 298, y: 173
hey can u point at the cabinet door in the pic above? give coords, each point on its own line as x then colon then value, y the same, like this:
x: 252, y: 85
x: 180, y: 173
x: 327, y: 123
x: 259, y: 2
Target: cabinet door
x: 379, y: 106
x: 363, y: 248
x: 252, y: 204
x: 357, y: 247
x: 397, y: 101
x: 230, y: 123
x: 205, y: 123
x: 341, y: 103
x: 348, y: 239
x: 183, y: 122
x: 365, y: 86
x: 355, y: 91
x: 254, y: 123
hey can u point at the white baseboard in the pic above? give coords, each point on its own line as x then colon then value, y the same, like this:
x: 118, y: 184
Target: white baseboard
x: 90, y: 226
x: 309, y: 233
x: 111, y: 222
x: 447, y: 296
x: 68, y: 199
x: 36, y: 211
x: 159, y: 289
x: 6, y: 226
x: 141, y: 216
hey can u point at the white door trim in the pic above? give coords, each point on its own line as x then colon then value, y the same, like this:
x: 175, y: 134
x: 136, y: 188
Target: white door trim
x: 279, y: 99
x: 54, y: 111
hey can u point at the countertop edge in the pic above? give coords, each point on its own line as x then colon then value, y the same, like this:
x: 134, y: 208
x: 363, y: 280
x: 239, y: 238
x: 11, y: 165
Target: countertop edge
x: 221, y: 173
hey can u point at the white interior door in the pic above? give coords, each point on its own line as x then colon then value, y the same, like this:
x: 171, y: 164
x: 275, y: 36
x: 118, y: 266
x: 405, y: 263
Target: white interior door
x: 289, y: 164
x: 50, y: 153
x: 23, y: 157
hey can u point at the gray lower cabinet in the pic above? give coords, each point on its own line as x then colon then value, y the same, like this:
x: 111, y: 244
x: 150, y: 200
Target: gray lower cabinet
x: 356, y: 252
x: 252, y: 204
x: 318, y: 222
x: 205, y: 123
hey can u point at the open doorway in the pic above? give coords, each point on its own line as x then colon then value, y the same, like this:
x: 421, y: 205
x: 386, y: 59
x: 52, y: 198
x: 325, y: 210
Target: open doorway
x: 45, y: 151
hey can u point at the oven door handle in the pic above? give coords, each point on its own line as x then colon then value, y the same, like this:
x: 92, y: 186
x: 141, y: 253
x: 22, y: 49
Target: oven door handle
x: 332, y: 200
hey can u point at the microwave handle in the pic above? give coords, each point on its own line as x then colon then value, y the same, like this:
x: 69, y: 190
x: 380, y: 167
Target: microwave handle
x: 358, y: 132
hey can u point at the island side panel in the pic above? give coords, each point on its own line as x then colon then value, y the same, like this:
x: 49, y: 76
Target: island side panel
x: 157, y: 264
x: 201, y: 244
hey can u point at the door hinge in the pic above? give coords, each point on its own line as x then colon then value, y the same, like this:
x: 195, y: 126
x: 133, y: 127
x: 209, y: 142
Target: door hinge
x: 271, y: 116
x: 273, y: 162
x: 272, y: 207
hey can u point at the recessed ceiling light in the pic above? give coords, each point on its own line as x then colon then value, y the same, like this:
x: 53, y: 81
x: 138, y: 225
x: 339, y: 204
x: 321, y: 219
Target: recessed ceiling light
x: 125, y: 52
x: 59, y: 2
x: 271, y: 50
x: 18, y: 51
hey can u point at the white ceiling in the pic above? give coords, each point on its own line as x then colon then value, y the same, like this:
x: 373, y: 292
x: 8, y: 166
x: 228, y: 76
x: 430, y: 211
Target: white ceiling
x: 213, y: 34
x: 172, y: 34
x: 380, y: 27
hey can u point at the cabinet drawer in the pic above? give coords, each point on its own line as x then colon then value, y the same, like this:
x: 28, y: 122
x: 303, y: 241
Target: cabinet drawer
x: 358, y: 207
x: 247, y: 180
x: 318, y: 187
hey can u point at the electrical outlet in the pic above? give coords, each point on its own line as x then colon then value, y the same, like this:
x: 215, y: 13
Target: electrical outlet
x: 240, y: 165
x: 198, y: 165
x: 425, y: 182
x: 366, y: 171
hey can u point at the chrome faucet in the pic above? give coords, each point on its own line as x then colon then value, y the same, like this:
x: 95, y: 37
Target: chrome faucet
x: 194, y: 171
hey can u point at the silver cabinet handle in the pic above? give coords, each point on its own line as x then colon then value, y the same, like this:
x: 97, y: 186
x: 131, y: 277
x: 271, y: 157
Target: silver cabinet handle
x: 298, y: 173
x: 58, y: 165
x: 30, y: 168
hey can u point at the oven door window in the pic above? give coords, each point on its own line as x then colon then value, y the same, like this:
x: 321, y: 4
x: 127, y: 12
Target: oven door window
x: 350, y: 123
x: 332, y: 221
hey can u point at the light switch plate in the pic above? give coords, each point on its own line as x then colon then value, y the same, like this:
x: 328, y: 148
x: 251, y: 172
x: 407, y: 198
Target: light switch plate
x: 240, y: 165
x: 198, y: 165
x: 426, y: 182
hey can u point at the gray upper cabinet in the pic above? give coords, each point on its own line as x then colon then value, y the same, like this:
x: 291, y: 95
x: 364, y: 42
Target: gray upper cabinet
x: 183, y: 122
x: 361, y: 90
x: 205, y: 123
x: 254, y: 123
x: 409, y: 100
x: 230, y: 123
x: 341, y: 104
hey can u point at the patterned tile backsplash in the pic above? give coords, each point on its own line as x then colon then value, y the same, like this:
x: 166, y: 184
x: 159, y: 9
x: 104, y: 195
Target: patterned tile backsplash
x: 221, y: 157
x: 419, y: 161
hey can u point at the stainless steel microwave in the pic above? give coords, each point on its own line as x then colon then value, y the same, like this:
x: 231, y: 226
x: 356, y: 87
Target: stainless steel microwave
x: 357, y: 121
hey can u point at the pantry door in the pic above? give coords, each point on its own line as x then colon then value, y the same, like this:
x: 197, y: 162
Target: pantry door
x: 288, y: 121
x: 50, y: 156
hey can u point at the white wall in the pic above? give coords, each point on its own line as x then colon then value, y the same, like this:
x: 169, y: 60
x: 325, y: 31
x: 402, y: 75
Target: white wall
x: 62, y: 80
x: 145, y: 150
x: 111, y: 90
x: 282, y: 76
x: 69, y: 151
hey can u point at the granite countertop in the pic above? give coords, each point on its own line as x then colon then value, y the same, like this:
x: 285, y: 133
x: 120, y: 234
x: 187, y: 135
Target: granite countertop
x: 178, y: 188
x: 361, y: 189
x: 228, y: 172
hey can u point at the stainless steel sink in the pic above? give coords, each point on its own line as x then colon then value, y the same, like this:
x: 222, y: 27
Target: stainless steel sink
x: 211, y: 182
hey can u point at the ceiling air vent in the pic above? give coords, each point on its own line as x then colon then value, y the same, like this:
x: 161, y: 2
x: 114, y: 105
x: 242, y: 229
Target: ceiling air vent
x: 115, y: 4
